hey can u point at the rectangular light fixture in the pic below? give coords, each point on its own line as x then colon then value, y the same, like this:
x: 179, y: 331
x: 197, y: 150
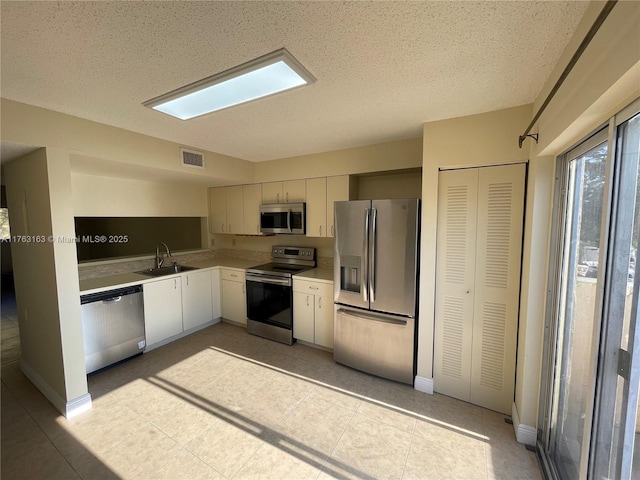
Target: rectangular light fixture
x: 267, y: 75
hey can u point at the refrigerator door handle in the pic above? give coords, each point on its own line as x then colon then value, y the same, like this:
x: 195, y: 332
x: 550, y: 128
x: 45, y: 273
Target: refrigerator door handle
x: 372, y: 316
x: 372, y: 257
x: 364, y: 281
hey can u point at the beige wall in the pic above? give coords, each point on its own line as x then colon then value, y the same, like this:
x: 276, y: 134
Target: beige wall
x: 105, y: 150
x: 373, y: 158
x: 98, y: 196
x: 478, y: 140
x: 324, y: 246
x: 401, y: 185
x: 45, y: 274
x: 606, y: 78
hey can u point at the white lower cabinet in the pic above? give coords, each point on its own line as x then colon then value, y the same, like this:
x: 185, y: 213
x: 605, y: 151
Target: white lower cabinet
x: 313, y: 312
x: 234, y: 297
x: 216, y: 305
x: 162, y: 309
x: 179, y: 304
x: 197, y: 307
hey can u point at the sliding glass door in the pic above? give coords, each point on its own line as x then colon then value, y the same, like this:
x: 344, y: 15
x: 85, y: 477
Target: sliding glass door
x: 591, y: 374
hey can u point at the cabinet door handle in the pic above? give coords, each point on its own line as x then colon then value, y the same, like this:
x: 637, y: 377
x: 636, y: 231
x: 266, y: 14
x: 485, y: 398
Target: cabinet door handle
x: 287, y: 200
x: 243, y: 290
x: 229, y: 230
x: 258, y: 228
x: 332, y: 234
x: 313, y: 288
x: 277, y: 198
x: 307, y: 300
x: 320, y: 230
x: 319, y: 302
x: 175, y: 284
x: 187, y: 280
x: 223, y: 228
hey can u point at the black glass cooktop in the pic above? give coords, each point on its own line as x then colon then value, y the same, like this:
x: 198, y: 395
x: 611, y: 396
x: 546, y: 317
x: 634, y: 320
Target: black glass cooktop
x: 282, y: 268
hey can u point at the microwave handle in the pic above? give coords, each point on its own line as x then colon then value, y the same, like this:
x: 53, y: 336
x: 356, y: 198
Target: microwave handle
x: 289, y: 220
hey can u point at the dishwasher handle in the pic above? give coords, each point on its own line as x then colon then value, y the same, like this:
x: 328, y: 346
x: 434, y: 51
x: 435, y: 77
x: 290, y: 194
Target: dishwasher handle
x: 110, y: 296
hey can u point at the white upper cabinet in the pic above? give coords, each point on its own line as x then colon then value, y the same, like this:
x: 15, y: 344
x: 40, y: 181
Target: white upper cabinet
x: 235, y: 209
x: 290, y: 191
x: 321, y: 195
x: 340, y: 188
x: 252, y: 198
x: 217, y: 210
x: 317, y: 207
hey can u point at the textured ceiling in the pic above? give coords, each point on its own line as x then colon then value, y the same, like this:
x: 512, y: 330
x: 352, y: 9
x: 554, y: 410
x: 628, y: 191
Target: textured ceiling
x: 383, y: 68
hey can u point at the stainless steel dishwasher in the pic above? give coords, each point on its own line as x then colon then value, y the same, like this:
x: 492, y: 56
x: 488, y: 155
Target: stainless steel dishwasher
x: 112, y: 326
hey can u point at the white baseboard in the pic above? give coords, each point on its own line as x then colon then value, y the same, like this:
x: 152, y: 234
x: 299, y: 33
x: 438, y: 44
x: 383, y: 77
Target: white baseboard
x: 524, y: 433
x: 185, y: 333
x: 68, y: 409
x: 423, y: 384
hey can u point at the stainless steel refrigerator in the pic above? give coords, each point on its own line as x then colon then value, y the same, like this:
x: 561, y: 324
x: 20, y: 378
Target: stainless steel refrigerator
x: 375, y: 286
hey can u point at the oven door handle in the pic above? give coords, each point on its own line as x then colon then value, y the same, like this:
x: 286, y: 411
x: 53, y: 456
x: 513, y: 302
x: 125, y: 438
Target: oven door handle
x: 262, y: 279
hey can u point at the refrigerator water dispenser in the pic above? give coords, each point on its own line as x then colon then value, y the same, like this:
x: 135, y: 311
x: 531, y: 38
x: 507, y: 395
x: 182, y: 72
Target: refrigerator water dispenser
x: 350, y: 276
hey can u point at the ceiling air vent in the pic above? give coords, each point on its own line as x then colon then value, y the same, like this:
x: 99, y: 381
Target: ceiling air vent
x: 191, y: 158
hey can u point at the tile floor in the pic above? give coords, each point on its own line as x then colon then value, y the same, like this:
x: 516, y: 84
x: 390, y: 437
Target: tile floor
x: 224, y: 404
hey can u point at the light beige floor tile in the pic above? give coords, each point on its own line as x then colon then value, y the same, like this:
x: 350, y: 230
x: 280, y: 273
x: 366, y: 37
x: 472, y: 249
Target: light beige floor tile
x: 99, y: 429
x: 226, y: 403
x: 186, y: 466
x: 227, y: 447
x: 371, y: 448
x: 340, y: 397
x: 402, y: 396
x: 149, y: 397
x: 140, y: 454
x: 187, y: 421
x: 506, y: 458
x: 438, y: 459
x: 10, y: 350
x: 349, y: 380
x: 232, y: 388
x: 281, y: 460
x: 270, y: 404
x: 317, y: 424
x: 454, y: 413
x: 42, y: 460
x: 388, y: 414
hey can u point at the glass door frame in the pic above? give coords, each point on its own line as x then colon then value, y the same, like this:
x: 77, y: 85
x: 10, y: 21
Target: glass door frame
x: 619, y: 233
x: 558, y: 260
x: 600, y: 377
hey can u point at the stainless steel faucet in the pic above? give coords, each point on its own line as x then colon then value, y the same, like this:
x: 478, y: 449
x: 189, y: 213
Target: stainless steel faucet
x: 160, y: 261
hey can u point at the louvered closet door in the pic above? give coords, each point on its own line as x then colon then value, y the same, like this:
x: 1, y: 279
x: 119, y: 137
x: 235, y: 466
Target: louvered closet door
x: 456, y: 251
x: 497, y: 285
x: 480, y: 218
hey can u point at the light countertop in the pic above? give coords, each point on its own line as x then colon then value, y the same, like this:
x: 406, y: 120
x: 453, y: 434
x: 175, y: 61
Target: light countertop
x: 324, y: 275
x: 101, y: 284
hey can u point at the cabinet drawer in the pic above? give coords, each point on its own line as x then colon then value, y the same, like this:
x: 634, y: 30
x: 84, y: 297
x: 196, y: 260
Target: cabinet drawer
x: 313, y: 288
x: 233, y: 275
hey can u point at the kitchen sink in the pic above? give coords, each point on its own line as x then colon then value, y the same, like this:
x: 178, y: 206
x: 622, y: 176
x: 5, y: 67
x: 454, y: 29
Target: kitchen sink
x: 159, y: 272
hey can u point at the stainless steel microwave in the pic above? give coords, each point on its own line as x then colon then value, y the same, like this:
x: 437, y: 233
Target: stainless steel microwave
x: 286, y: 218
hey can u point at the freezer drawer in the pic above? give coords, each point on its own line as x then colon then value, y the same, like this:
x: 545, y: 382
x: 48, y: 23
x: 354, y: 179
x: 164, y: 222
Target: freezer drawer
x: 383, y: 345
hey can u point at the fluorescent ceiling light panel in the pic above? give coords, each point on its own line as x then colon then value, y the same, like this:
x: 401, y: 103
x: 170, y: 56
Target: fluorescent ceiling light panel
x: 273, y: 73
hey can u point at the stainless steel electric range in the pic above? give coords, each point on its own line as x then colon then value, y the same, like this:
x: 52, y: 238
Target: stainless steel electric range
x: 270, y: 292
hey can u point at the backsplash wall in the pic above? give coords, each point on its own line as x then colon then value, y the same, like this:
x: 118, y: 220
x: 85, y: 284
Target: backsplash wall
x: 100, y: 269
